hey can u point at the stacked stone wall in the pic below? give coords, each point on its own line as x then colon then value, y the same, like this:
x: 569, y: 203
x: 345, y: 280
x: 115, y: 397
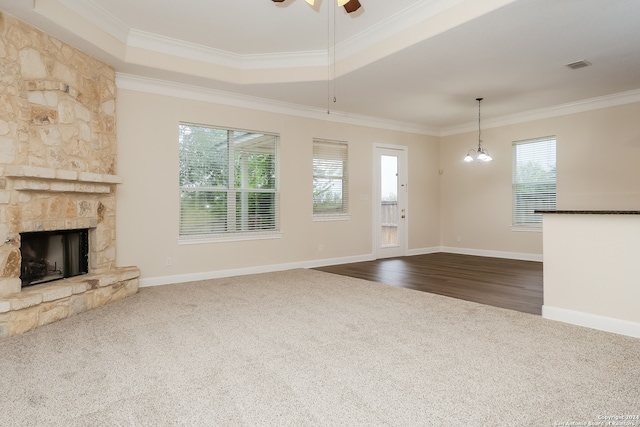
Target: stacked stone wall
x: 57, y: 154
x: 57, y: 122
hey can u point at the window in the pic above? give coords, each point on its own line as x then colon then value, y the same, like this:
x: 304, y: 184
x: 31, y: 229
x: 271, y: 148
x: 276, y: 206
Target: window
x: 330, y: 179
x: 228, y: 183
x: 534, y: 181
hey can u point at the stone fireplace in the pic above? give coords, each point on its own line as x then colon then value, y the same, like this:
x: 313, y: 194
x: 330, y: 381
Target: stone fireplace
x: 48, y: 256
x: 57, y: 174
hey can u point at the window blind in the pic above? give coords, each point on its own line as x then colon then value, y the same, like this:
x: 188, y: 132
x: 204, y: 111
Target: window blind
x: 330, y: 178
x: 228, y: 182
x: 534, y: 180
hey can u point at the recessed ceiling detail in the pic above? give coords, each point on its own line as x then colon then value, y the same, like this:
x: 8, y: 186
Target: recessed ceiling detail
x: 416, y: 62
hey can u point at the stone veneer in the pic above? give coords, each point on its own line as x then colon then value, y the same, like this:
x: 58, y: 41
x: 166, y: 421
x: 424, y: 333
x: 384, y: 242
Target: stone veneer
x: 57, y: 171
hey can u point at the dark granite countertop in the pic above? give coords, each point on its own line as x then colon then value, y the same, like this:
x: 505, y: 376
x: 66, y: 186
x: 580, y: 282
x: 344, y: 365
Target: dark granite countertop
x: 578, y: 212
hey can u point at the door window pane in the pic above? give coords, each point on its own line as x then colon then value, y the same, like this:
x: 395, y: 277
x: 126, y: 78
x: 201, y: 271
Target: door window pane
x: 389, y: 200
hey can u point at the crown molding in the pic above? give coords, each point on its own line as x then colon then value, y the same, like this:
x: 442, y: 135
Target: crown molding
x: 423, y: 20
x: 98, y: 17
x: 182, y: 49
x: 393, y: 25
x: 597, y: 103
x: 197, y: 93
x: 286, y: 60
x: 132, y: 37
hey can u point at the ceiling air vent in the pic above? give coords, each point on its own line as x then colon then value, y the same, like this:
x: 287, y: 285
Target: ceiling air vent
x: 579, y: 64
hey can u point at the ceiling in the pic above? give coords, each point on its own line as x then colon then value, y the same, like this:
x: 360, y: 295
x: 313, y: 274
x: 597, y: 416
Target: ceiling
x: 414, y: 63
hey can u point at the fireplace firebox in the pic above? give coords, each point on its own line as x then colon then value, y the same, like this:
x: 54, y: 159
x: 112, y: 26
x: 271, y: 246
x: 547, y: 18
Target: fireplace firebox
x: 53, y: 255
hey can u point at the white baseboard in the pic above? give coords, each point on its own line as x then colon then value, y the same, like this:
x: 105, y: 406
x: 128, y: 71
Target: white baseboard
x: 494, y: 254
x: 206, y: 275
x: 593, y: 321
x: 424, y: 251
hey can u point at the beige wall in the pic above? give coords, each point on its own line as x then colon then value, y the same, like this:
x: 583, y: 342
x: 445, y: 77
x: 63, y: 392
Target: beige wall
x: 590, y: 271
x: 597, y: 154
x: 147, y: 208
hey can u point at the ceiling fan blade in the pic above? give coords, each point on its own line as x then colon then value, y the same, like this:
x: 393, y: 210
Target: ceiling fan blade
x: 352, y: 6
x: 349, y: 5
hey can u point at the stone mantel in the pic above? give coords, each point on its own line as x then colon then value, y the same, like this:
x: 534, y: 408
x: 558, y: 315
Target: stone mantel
x: 34, y: 178
x: 35, y: 172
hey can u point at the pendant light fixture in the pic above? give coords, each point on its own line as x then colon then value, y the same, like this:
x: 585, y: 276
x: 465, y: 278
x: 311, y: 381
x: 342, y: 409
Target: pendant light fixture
x: 481, y: 155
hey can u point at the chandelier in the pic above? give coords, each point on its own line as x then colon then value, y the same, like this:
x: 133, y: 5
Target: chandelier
x: 481, y: 155
x: 349, y: 5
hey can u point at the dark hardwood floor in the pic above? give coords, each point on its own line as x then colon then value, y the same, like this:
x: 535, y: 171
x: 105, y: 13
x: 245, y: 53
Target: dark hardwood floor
x: 506, y: 283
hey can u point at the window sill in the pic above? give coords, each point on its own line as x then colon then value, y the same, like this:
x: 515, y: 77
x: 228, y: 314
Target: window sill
x: 227, y: 238
x: 331, y: 217
x: 527, y: 229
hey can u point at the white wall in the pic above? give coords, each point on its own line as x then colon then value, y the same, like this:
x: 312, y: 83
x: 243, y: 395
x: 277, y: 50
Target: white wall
x: 597, y: 154
x: 147, y: 201
x: 590, y: 271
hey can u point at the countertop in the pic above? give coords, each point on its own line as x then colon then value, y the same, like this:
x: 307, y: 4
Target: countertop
x: 583, y: 212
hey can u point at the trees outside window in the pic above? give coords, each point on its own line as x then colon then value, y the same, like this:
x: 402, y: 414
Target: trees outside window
x: 534, y: 181
x: 330, y: 178
x: 228, y: 182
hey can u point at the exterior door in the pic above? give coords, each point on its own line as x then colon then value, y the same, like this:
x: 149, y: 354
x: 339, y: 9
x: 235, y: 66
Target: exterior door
x: 390, y: 201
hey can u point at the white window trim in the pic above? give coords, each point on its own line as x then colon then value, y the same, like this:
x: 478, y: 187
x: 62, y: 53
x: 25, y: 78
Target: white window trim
x: 527, y: 229
x: 205, y: 239
x: 331, y: 217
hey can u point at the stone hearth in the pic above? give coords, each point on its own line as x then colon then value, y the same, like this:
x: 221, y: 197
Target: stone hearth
x: 42, y: 304
x: 57, y: 172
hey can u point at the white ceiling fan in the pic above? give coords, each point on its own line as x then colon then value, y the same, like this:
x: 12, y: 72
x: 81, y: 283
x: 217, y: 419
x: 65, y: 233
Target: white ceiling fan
x: 349, y: 5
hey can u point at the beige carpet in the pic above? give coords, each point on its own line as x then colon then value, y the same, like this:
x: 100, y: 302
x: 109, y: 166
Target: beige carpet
x: 304, y: 347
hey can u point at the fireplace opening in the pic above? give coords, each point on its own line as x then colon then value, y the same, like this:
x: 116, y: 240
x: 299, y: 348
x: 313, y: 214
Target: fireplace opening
x: 53, y: 255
